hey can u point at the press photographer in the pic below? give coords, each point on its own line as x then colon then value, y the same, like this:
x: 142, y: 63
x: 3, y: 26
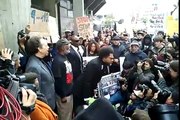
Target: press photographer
x: 174, y: 73
x: 164, y: 94
x: 159, y: 104
x: 13, y: 82
x: 10, y: 108
x: 28, y: 81
x: 144, y: 71
x: 162, y: 66
x: 22, y: 39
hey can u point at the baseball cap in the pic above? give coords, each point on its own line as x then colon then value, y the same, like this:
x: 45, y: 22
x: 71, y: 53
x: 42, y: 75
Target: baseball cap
x: 62, y: 42
x: 115, y: 38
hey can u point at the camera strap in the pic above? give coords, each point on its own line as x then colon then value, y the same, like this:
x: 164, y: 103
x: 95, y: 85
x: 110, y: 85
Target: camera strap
x: 13, y: 88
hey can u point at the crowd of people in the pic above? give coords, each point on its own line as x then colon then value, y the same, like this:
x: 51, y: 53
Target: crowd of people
x: 150, y: 75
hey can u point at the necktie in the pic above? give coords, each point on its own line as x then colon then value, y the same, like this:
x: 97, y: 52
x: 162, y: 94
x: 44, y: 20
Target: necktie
x: 79, y: 54
x: 81, y: 59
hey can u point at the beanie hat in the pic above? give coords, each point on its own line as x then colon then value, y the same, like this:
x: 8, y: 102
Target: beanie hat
x: 140, y: 32
x: 116, y: 38
x: 134, y: 42
x: 61, y: 43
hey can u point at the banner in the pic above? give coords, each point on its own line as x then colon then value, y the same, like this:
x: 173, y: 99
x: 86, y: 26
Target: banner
x: 39, y: 21
x: 108, y: 85
x: 156, y: 22
x: 39, y: 24
x: 84, y: 26
x: 172, y: 26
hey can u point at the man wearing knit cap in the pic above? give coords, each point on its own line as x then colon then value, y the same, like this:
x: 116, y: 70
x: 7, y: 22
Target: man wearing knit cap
x: 62, y: 71
x: 135, y: 53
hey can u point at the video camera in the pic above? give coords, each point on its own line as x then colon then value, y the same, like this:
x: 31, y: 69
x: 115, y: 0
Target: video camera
x: 22, y: 34
x: 163, y: 94
x: 162, y: 66
x: 13, y: 83
x: 142, y: 87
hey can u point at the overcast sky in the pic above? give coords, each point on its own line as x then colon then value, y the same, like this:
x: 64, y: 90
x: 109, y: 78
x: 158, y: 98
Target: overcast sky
x: 125, y: 8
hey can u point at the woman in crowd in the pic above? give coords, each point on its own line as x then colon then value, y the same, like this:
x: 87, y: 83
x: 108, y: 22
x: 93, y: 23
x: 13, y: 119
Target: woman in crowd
x: 92, y: 49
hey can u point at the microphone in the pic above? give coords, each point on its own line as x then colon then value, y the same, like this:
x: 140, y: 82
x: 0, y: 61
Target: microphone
x: 28, y: 77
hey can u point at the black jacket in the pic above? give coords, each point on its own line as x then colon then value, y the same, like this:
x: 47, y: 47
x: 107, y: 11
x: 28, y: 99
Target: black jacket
x: 63, y: 76
x: 87, y: 81
x: 134, y: 57
x: 162, y: 84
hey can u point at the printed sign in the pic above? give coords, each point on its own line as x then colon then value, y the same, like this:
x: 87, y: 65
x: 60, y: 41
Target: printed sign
x: 121, y: 60
x: 84, y: 26
x: 172, y: 26
x: 156, y: 22
x: 39, y: 21
x: 108, y: 84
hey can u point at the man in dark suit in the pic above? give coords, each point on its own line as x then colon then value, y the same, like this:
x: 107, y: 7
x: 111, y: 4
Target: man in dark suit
x: 75, y: 57
x: 38, y: 49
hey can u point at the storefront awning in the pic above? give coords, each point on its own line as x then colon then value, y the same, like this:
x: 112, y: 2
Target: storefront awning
x: 94, y: 5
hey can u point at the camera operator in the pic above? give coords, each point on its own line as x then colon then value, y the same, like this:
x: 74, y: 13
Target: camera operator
x: 41, y: 110
x: 136, y: 101
x: 122, y: 95
x: 174, y: 72
x: 22, y: 40
x: 144, y: 72
x: 10, y: 108
x: 165, y: 94
x: 28, y: 100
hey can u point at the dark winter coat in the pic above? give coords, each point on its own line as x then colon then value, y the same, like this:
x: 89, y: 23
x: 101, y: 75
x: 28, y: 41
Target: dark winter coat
x: 133, y: 57
x: 87, y: 81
